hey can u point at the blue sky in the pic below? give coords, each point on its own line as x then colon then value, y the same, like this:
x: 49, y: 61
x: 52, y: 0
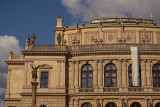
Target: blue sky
x: 20, y: 18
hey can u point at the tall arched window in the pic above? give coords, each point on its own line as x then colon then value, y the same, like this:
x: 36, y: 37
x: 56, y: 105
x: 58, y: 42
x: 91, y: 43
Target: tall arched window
x: 110, y: 104
x: 110, y: 75
x: 157, y: 105
x: 87, y: 76
x: 135, y: 104
x: 130, y: 75
x: 156, y: 75
x: 86, y: 105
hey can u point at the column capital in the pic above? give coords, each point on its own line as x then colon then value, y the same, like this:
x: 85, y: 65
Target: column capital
x: 144, y: 60
x: 149, y: 60
x: 76, y: 61
x: 96, y: 61
x: 125, y: 60
x: 63, y: 61
x: 120, y: 60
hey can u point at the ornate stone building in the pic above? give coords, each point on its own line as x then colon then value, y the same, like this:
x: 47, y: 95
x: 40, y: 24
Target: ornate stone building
x: 92, y: 69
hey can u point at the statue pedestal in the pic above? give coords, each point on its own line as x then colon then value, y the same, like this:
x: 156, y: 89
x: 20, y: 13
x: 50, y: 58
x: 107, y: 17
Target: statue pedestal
x: 34, y: 89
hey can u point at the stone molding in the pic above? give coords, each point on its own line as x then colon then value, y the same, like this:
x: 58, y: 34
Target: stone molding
x: 45, y: 66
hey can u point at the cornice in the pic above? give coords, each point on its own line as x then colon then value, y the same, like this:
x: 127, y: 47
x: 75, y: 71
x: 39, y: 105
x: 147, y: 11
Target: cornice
x: 44, y: 53
x: 15, y: 63
x: 113, y: 53
x: 12, y: 99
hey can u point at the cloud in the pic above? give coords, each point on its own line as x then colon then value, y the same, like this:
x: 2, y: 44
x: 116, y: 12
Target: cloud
x: 7, y: 43
x: 111, y: 8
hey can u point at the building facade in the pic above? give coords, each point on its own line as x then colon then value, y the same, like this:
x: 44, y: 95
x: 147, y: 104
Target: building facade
x: 91, y: 69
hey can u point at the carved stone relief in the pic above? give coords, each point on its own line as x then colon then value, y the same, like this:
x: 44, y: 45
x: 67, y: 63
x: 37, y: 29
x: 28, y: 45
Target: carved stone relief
x: 74, y: 38
x: 129, y: 36
x: 146, y: 36
x: 110, y: 37
x: 92, y: 37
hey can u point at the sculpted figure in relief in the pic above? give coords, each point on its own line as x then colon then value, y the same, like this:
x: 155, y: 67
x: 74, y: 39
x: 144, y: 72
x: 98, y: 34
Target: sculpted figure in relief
x: 59, y: 39
x: 34, y: 72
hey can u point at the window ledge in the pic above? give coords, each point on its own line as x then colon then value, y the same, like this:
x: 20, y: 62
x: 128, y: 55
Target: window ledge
x: 86, y: 89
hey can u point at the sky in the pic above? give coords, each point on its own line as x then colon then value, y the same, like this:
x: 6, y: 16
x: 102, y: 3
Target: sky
x: 20, y: 18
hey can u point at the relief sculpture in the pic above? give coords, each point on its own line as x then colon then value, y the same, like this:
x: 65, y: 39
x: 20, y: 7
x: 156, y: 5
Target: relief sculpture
x: 110, y: 37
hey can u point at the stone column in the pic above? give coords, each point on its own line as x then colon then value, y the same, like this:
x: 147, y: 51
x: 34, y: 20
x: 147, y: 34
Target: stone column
x: 58, y: 73
x: 77, y: 74
x: 73, y: 73
x: 148, y: 72
x: 34, y: 89
x: 100, y: 74
x: 95, y: 74
x: 119, y: 73
x: 76, y: 103
x: 63, y: 74
x: 124, y: 73
x: 143, y: 72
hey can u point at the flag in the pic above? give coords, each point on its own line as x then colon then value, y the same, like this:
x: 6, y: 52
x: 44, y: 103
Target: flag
x: 135, y: 66
x: 122, y: 25
x: 78, y: 30
x: 100, y: 26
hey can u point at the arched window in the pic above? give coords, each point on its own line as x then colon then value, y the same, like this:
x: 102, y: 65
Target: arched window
x: 110, y: 75
x: 130, y: 75
x: 87, y: 76
x: 156, y: 75
x: 43, y: 106
x: 135, y: 104
x: 110, y: 104
x: 86, y: 105
x: 157, y: 105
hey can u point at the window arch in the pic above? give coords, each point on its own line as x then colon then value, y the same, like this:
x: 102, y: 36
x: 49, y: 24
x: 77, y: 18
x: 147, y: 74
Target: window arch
x: 86, y: 105
x: 110, y: 104
x: 43, y: 106
x: 110, y: 75
x: 130, y: 75
x: 87, y: 76
x: 135, y: 104
x: 157, y: 105
x: 156, y: 75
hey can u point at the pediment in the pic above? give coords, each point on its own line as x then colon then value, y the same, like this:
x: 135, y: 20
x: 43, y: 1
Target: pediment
x: 45, y: 66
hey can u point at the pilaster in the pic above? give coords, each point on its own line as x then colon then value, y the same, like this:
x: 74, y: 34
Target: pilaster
x: 95, y: 76
x: 77, y: 76
x: 148, y: 72
x: 124, y: 75
x: 143, y: 72
x: 100, y: 75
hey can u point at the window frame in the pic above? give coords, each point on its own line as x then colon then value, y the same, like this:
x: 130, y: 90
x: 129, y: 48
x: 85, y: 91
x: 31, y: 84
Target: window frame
x: 157, y: 75
x: 87, y: 72
x: 110, y: 71
x: 45, y: 79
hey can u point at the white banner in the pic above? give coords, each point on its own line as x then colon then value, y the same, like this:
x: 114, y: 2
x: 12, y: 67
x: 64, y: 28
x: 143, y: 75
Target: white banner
x: 135, y: 66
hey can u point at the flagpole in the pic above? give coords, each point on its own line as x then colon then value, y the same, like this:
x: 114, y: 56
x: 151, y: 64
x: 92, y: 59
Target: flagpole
x: 98, y: 34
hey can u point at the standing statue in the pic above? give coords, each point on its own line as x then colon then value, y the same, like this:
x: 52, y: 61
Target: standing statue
x: 59, y: 39
x: 34, y: 72
x: 98, y: 104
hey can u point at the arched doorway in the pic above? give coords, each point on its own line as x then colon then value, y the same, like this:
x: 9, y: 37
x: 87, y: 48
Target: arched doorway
x: 157, y: 105
x: 86, y: 105
x: 110, y: 104
x: 135, y: 104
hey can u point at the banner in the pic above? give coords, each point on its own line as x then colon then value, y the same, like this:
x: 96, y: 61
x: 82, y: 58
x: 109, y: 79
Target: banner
x: 135, y: 66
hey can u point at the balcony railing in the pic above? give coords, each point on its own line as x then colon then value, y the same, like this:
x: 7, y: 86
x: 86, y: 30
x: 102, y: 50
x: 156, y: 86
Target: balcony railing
x: 17, y: 57
x: 135, y: 89
x: 110, y: 89
x: 98, y: 47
